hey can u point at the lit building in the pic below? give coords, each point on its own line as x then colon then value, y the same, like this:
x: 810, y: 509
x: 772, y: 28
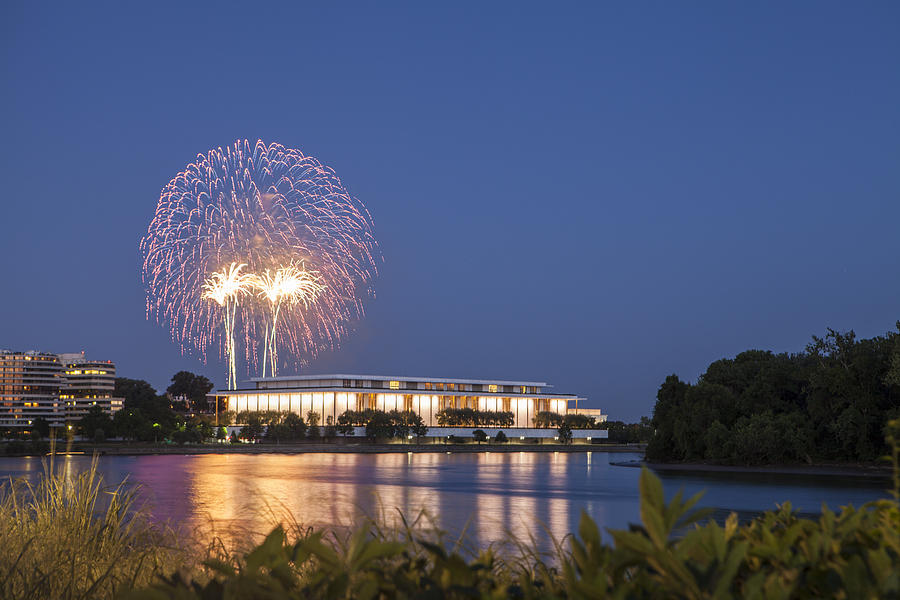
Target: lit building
x: 30, y: 384
x: 55, y: 387
x: 332, y: 395
x: 88, y: 383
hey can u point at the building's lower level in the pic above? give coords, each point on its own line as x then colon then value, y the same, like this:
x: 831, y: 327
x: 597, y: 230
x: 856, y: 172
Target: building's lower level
x: 330, y: 396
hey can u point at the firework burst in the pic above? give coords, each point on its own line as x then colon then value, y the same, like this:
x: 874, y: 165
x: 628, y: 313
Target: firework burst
x: 288, y: 286
x: 267, y: 209
x: 226, y: 288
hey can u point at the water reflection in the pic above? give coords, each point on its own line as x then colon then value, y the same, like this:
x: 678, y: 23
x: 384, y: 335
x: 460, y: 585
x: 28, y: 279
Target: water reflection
x: 488, y: 494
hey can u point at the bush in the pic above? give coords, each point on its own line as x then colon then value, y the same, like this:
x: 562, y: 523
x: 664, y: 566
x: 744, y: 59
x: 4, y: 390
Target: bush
x: 500, y: 438
x: 547, y: 419
x: 480, y: 436
x: 470, y: 417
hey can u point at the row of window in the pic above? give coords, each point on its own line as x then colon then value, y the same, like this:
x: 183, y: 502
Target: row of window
x: 441, y: 386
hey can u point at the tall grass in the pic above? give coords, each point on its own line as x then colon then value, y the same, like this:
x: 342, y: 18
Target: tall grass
x: 71, y: 536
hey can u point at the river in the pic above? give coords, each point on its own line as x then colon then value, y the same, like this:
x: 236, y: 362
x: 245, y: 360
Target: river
x: 486, y: 494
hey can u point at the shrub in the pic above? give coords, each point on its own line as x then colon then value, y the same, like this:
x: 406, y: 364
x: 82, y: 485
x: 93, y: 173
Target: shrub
x: 547, y: 419
x: 480, y: 436
x: 470, y: 417
x: 500, y: 438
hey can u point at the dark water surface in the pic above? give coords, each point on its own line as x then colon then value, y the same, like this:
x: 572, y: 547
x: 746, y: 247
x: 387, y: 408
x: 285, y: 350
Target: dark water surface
x: 487, y: 494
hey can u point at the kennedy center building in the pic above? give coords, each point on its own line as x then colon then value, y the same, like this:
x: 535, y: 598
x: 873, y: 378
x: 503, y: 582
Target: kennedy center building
x: 332, y: 395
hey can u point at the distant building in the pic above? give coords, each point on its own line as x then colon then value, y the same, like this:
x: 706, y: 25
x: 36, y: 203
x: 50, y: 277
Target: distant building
x: 88, y: 383
x: 332, y: 395
x: 598, y: 415
x: 56, y: 387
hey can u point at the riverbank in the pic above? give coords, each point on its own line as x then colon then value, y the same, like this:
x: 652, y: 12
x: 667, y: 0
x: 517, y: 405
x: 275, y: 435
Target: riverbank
x: 837, y: 470
x: 122, y: 449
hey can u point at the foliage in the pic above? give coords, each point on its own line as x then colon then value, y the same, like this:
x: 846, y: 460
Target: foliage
x: 480, y: 436
x: 145, y: 416
x: 40, y: 428
x: 470, y: 417
x: 564, y: 433
x: 253, y: 429
x: 501, y: 438
x: 193, y: 387
x: 547, y: 419
x: 72, y: 537
x: 382, y: 425
x: 313, y: 432
x: 136, y: 392
x: 96, y: 418
x: 628, y: 433
x: 580, y: 421
x: 286, y: 426
x: 828, y: 403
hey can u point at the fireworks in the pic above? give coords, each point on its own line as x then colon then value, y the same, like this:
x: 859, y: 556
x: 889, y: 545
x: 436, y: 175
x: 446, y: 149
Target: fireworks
x: 289, y: 285
x: 288, y: 229
x: 225, y: 288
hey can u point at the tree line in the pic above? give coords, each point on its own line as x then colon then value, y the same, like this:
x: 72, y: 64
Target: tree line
x: 830, y: 402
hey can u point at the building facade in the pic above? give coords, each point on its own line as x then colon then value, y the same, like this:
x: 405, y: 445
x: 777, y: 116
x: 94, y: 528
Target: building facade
x: 88, y: 383
x: 30, y: 384
x: 332, y: 395
x: 55, y: 387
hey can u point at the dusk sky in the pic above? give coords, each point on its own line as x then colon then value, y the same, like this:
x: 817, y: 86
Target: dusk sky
x: 595, y: 195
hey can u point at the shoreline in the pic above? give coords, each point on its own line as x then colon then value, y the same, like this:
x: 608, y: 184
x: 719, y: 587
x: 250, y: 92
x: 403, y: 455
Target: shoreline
x: 842, y: 470
x: 137, y: 450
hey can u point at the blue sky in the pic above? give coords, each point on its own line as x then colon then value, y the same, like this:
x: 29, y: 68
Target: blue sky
x: 596, y: 195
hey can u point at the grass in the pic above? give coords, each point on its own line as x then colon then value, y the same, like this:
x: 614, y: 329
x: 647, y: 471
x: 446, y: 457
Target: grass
x: 71, y: 536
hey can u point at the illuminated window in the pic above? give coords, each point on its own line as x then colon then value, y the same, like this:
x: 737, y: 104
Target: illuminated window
x: 492, y: 388
x: 395, y: 385
x: 524, y: 390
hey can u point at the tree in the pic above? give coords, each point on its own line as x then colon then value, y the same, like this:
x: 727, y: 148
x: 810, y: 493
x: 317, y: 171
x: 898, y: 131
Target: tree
x: 418, y: 427
x: 253, y: 429
x: 136, y: 392
x: 347, y: 423
x: 330, y: 428
x: 94, y: 419
x: 221, y: 433
x: 41, y: 427
x: 479, y: 435
x: 379, y: 426
x: 192, y: 387
x: 312, y: 418
x: 564, y: 433
x: 295, y: 426
x: 547, y: 419
x: 500, y: 438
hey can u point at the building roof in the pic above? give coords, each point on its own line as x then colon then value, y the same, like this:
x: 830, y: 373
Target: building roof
x: 399, y: 378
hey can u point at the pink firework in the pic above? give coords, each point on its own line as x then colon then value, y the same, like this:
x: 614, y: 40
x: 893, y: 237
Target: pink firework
x: 263, y: 206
